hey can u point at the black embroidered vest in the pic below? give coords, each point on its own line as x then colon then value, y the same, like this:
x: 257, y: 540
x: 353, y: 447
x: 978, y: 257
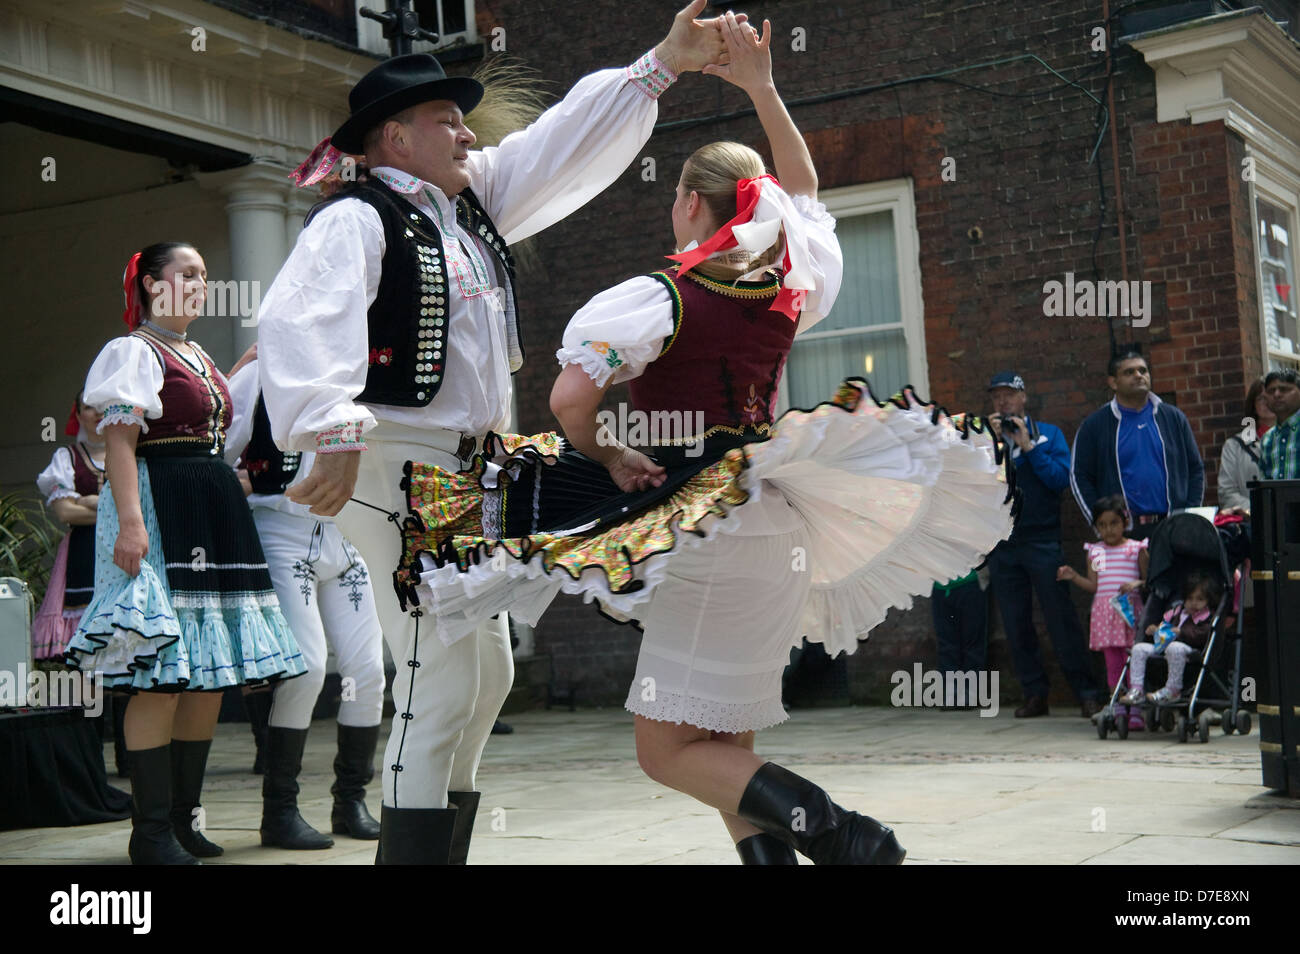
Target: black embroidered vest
x: 408, y: 321
x: 270, y: 470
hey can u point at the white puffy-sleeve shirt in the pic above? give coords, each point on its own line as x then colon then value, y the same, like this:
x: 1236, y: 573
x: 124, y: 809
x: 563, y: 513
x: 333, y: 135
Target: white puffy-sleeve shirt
x: 312, y: 332
x: 125, y: 383
x: 59, y: 479
x: 620, y: 331
x: 244, y: 387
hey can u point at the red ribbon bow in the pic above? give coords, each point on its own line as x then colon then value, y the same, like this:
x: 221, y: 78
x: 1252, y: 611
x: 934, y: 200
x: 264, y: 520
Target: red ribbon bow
x: 131, y: 313
x: 748, y: 191
x: 73, y: 427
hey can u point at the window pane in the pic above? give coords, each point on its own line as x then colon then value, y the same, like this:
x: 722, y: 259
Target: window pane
x: 817, y: 366
x: 1277, y: 265
x: 870, y: 292
x: 453, y: 17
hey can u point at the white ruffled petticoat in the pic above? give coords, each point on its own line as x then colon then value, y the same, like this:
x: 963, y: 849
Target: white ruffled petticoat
x: 853, y: 507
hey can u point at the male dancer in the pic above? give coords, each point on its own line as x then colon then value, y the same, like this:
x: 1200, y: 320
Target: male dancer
x: 390, y: 335
x: 326, y: 592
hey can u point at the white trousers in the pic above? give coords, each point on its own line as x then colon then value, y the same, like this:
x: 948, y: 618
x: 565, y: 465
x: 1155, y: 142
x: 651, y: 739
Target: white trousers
x: 447, y: 697
x: 325, y: 593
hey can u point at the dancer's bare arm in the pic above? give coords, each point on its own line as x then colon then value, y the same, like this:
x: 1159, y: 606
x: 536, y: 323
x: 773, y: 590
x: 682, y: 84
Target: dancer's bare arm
x: 132, y: 543
x: 574, y: 402
x: 750, y: 68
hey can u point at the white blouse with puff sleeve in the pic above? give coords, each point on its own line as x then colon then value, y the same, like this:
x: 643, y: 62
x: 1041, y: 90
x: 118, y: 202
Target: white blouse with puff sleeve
x: 621, y: 330
x: 59, y: 480
x: 124, y: 383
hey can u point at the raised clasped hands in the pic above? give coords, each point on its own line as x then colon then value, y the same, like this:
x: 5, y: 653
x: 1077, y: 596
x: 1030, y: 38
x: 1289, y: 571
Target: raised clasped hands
x: 693, y: 44
x: 748, y: 60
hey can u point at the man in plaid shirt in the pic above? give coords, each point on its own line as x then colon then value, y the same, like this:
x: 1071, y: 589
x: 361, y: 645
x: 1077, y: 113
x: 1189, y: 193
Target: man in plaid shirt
x: 1279, y: 451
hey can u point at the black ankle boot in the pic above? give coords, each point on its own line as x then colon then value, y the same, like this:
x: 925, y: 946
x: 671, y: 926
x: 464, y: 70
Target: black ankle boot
x: 354, y: 767
x: 801, y: 815
x: 466, y: 808
x: 282, y: 826
x: 153, y: 842
x: 258, y: 706
x: 189, y: 761
x: 765, y: 850
x: 415, y: 836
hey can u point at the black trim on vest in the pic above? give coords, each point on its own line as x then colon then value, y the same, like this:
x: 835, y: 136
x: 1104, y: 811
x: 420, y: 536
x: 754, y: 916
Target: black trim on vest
x: 408, y: 320
x: 270, y: 470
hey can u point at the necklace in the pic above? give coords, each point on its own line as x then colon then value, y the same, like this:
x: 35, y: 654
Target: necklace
x: 159, y: 330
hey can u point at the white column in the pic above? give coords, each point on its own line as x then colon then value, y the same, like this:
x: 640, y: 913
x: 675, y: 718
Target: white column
x: 256, y: 204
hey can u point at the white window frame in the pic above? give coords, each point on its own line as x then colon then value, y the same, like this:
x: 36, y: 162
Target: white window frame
x: 894, y: 196
x: 1279, y: 186
x: 370, y: 33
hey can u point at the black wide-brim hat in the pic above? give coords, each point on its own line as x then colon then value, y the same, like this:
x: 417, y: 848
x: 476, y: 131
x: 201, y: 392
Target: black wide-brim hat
x: 395, y: 85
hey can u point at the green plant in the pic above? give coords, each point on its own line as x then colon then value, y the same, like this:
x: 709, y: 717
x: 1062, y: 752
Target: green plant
x: 28, y: 539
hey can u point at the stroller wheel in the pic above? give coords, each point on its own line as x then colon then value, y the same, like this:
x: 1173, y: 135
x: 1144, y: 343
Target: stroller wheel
x: 1167, y: 720
x: 1121, y: 727
x: 1243, y: 722
x: 1180, y: 727
x: 1103, y: 726
x: 1203, y: 725
x: 1149, y: 717
x: 1227, y: 723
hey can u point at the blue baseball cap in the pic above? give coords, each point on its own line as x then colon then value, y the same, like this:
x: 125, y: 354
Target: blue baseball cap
x: 1007, y: 379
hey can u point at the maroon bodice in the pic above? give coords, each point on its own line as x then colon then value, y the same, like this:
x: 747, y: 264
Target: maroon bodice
x: 724, y: 358
x: 195, y: 405
x: 87, y: 476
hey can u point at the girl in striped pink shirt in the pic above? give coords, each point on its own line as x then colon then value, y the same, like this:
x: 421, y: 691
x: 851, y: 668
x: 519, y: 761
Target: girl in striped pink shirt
x: 1116, y: 565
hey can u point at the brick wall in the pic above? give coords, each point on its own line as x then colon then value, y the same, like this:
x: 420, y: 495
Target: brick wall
x: 1023, y: 178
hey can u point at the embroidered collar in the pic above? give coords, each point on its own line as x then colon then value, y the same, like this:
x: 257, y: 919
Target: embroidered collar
x: 415, y: 188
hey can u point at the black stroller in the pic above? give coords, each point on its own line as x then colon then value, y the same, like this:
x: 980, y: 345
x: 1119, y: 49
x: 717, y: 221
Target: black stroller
x: 1183, y: 544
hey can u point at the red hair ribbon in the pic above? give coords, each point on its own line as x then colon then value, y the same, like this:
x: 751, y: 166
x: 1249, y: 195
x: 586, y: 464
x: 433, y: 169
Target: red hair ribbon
x: 73, y: 427
x: 748, y: 192
x: 131, y: 314
x: 316, y: 166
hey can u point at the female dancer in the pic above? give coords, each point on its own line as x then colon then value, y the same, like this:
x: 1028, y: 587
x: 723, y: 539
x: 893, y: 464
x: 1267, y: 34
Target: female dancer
x: 183, y: 600
x: 738, y: 537
x: 71, y: 485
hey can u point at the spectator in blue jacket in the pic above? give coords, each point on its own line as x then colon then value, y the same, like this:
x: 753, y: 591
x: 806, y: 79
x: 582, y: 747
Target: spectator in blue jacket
x: 1026, y: 562
x: 1139, y: 447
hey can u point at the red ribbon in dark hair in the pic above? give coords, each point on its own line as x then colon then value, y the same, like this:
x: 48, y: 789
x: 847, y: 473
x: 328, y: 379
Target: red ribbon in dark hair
x: 131, y: 314
x: 73, y: 427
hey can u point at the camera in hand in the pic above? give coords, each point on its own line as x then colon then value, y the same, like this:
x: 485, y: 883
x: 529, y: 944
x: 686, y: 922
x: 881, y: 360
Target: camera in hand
x: 1009, y: 426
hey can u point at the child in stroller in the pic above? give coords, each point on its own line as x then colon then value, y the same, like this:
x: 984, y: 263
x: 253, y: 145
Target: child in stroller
x: 1189, y: 619
x: 1181, y: 546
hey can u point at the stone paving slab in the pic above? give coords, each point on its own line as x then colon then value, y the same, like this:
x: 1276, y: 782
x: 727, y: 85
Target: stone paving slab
x: 565, y: 788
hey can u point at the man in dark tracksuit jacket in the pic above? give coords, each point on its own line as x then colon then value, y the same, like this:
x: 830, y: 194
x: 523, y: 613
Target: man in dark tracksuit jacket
x: 1027, y: 562
x: 1138, y: 447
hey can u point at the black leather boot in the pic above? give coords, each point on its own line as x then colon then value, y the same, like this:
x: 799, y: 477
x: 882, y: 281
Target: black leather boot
x: 258, y: 706
x: 189, y: 761
x: 466, y: 808
x: 415, y: 836
x: 765, y: 850
x: 153, y: 842
x: 282, y: 826
x: 354, y: 767
x: 801, y: 815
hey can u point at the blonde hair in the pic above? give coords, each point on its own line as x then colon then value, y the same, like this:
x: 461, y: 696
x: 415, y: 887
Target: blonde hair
x: 713, y: 171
